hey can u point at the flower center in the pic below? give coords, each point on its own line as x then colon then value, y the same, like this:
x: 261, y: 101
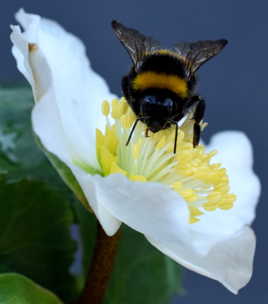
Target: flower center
x: 189, y: 172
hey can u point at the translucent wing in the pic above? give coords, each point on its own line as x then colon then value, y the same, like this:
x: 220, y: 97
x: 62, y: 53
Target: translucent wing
x: 194, y: 54
x: 135, y: 43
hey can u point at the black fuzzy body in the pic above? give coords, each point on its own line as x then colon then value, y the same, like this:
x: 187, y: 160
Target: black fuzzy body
x: 158, y: 108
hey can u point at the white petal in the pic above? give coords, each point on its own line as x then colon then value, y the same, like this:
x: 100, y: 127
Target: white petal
x: 46, y: 130
x: 149, y: 208
x: 20, y: 51
x: 109, y: 223
x: 225, y: 244
x: 235, y: 154
x: 162, y: 216
x: 68, y: 95
x: 230, y: 262
x: 58, y: 66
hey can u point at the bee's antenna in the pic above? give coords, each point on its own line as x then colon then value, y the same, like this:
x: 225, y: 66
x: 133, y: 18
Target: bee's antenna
x: 132, y: 130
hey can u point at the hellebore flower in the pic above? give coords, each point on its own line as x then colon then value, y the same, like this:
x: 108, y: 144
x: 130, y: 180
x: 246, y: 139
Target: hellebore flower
x: 182, y: 203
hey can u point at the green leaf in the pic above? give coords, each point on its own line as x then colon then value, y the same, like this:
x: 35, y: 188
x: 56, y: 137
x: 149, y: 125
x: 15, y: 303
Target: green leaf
x: 36, y: 214
x: 17, y: 289
x: 21, y: 152
x: 141, y: 274
x: 19, y: 155
x: 35, y: 240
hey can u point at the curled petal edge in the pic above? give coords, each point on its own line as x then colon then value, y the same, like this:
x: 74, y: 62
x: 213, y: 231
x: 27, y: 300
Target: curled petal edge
x: 229, y: 262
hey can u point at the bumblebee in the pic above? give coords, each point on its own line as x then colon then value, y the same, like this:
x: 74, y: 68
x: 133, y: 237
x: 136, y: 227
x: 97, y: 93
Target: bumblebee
x: 160, y: 87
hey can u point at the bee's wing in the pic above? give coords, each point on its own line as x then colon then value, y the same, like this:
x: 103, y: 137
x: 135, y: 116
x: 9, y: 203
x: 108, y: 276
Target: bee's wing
x: 194, y: 54
x: 135, y: 43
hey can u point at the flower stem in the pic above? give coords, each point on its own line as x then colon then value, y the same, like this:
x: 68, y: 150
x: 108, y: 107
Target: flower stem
x: 101, y: 267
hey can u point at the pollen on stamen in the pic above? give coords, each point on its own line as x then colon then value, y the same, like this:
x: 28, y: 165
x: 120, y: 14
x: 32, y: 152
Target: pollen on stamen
x: 203, y: 185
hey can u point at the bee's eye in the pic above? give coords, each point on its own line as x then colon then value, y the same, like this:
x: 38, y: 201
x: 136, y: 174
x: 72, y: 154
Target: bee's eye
x: 160, y: 101
x: 156, y: 106
x: 150, y: 99
x: 168, y: 103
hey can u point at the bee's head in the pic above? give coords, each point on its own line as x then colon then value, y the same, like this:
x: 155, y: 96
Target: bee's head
x: 158, y: 110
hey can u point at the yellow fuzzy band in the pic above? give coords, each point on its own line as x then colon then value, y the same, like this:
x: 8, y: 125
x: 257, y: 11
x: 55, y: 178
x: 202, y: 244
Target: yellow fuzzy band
x: 173, y: 83
x: 165, y: 52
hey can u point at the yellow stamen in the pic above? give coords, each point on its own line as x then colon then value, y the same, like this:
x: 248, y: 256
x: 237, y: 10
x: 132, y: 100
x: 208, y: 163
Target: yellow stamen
x: 105, y: 108
x: 204, y: 186
x: 116, y: 109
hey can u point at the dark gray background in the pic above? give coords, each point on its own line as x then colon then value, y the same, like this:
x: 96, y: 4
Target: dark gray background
x: 234, y: 84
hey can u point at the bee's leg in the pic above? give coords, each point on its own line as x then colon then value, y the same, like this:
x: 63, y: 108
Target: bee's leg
x: 199, y: 112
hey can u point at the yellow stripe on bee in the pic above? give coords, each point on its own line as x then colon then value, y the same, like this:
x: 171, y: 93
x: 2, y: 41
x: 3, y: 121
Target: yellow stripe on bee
x: 173, y: 83
x: 165, y: 52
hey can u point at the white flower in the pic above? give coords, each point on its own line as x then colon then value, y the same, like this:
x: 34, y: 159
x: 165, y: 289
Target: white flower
x: 180, y: 203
